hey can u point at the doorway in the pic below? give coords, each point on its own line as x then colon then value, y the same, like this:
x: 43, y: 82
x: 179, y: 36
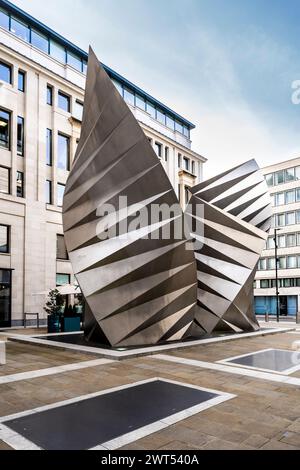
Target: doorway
x: 5, y: 298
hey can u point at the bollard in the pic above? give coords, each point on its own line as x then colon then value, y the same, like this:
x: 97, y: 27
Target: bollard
x: 2, y: 353
x: 298, y: 317
x: 266, y: 317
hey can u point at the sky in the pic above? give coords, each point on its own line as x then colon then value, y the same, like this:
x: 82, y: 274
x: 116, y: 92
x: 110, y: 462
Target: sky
x: 226, y: 65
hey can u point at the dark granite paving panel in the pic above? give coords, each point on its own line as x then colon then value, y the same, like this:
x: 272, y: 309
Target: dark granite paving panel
x: 274, y: 360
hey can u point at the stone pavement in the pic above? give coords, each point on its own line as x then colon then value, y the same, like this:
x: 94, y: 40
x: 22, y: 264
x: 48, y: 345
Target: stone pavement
x: 264, y: 415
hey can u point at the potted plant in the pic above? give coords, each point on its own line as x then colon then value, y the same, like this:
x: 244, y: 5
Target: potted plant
x: 53, y: 308
x: 70, y: 320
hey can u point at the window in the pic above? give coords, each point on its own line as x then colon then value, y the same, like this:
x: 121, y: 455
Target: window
x: 290, y: 218
x: 179, y: 160
x: 282, y: 262
x: 270, y: 243
x: 280, y: 220
x: 20, y: 184
x: 297, y: 217
x: 158, y: 149
x: 40, y: 41
x: 161, y: 117
x: 20, y: 136
x: 290, y: 174
x: 279, y: 177
x: 19, y: 29
x: 280, y: 241
x: 49, y: 147
x: 297, y: 172
x: 151, y: 110
x: 4, y: 129
x: 62, y: 279
x: 129, y: 96
x: 60, y: 194
x: 78, y: 110
x: 186, y: 131
x: 290, y: 196
x: 48, y: 192
x: 63, y: 155
x: 4, y: 180
x: 64, y: 101
x: 57, y: 51
x: 193, y: 167
x: 270, y: 179
x: 84, y: 66
x: 166, y: 153
x: 271, y: 263
x: 4, y: 19
x: 140, y: 102
x: 5, y: 72
x: 118, y: 86
x: 4, y: 239
x: 170, y: 122
x: 292, y: 262
x: 61, y: 250
x: 264, y: 283
x: 49, y: 95
x: 279, y: 199
x: 186, y: 194
x: 74, y: 61
x: 262, y: 265
x: 21, y: 81
x: 287, y: 282
x: 178, y: 127
x: 291, y: 239
x: 179, y: 193
x: 297, y: 282
x: 186, y: 163
x: 297, y: 195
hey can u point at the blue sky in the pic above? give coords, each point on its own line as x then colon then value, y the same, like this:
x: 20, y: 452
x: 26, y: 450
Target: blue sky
x: 227, y: 65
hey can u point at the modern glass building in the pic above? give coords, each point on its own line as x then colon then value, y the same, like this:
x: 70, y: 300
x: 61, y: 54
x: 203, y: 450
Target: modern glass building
x: 42, y: 80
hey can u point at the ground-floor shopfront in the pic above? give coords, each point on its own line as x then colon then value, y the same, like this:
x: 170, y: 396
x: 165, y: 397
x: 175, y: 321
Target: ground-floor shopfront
x: 288, y: 305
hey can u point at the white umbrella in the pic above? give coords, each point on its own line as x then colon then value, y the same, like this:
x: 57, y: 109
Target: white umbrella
x: 65, y: 289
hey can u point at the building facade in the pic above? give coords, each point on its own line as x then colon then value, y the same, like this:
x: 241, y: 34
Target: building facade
x: 42, y: 79
x: 283, y: 180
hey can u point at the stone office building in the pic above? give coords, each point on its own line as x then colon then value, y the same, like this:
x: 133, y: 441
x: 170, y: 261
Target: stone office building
x: 42, y: 79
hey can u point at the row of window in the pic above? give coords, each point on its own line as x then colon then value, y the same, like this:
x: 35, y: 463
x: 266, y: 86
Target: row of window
x: 5, y: 131
x: 65, y: 56
x: 271, y: 283
x: 186, y: 164
x: 284, y: 262
x: 283, y: 176
x: 5, y: 182
x: 286, y: 197
x: 61, y: 251
x: 285, y: 218
x: 284, y: 241
x: 6, y: 76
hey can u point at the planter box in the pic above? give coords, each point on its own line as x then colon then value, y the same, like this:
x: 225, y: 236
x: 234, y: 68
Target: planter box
x: 53, y: 324
x: 69, y: 324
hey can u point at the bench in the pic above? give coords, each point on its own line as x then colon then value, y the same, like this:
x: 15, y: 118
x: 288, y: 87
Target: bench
x: 2, y: 353
x: 37, y: 315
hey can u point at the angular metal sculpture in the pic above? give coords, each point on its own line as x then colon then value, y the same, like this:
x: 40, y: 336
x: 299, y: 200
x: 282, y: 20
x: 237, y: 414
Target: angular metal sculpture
x: 140, y: 287
x: 138, y: 290
x: 236, y: 217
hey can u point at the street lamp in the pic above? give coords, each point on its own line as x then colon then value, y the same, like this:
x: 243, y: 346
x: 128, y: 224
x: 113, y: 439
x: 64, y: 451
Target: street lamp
x: 276, y: 272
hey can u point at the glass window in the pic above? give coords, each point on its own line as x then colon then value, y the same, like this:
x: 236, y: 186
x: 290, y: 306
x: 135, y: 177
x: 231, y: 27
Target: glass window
x: 271, y: 263
x: 60, y: 194
x: 298, y: 238
x: 150, y: 109
x: 287, y: 282
x: 187, y: 194
x: 57, y: 51
x: 64, y: 101
x: 186, y: 131
x: 178, y: 127
x: 166, y: 153
x: 280, y: 241
x: 4, y: 129
x: 297, y: 173
x: 279, y: 177
x: 179, y: 160
x: 61, y: 250
x: 170, y: 122
x: 21, y: 81
x: 118, y: 86
x: 262, y: 265
x: 158, y: 149
x: 292, y: 262
x: 297, y: 281
x: 161, y: 117
x: 140, y: 102
x: 4, y: 180
x: 298, y: 195
x: 270, y: 243
x: 5, y: 72
x: 290, y: 196
x: 63, y: 155
x: 20, y: 184
x: 270, y: 179
x: 129, y: 96
x: 48, y: 192
x: 20, y: 136
x: 78, y: 110
x: 49, y: 147
x: 186, y: 163
x: 84, y: 67
x: 4, y: 239
x: 19, y: 29
x: 279, y: 199
x: 40, y: 41
x: 297, y: 217
x: 4, y: 19
x: 49, y: 95
x: 264, y: 283
x: 291, y: 239
x: 290, y: 218
x: 282, y: 262
x: 290, y: 174
x: 62, y: 279
x: 74, y: 61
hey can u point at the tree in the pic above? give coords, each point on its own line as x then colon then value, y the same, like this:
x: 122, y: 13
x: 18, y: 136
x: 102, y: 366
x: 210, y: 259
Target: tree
x: 54, y: 303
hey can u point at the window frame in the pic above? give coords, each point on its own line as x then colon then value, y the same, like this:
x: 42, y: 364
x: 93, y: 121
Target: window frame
x: 8, y: 239
x: 62, y: 94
